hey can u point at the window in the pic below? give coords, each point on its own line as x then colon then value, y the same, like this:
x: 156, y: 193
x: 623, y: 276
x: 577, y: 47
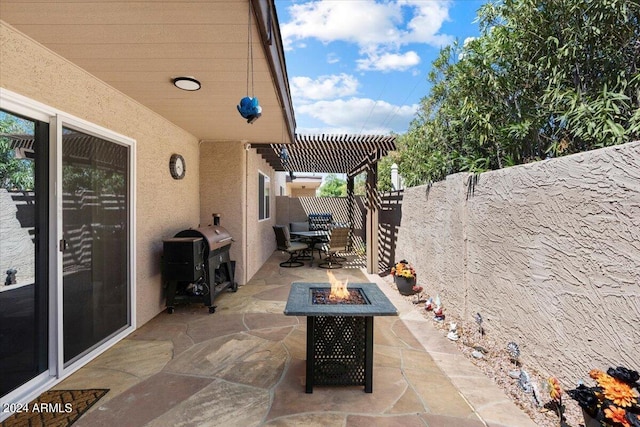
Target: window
x: 263, y: 196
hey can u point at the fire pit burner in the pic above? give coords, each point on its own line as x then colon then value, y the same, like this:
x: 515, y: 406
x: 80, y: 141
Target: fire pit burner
x: 339, y: 334
x: 322, y: 296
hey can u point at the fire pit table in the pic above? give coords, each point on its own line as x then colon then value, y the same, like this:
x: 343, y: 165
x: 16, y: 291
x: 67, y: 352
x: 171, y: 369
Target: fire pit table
x: 339, y: 331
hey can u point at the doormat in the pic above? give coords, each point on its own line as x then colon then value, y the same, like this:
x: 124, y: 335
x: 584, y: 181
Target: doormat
x: 53, y: 408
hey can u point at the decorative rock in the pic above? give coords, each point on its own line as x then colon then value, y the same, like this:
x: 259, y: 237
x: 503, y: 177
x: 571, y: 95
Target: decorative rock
x: 477, y: 354
x: 525, y: 381
x: 480, y: 349
x: 515, y: 374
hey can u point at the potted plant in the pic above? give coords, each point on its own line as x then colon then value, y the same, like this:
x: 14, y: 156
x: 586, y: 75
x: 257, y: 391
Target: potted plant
x: 613, y: 401
x: 404, y: 276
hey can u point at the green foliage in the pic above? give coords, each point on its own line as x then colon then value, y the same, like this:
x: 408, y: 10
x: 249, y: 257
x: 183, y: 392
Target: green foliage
x: 545, y: 78
x: 101, y: 181
x: 360, y: 184
x: 15, y: 174
x: 333, y: 187
x: 384, y: 173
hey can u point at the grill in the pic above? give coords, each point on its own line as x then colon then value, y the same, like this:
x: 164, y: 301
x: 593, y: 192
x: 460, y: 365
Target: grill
x: 197, y: 266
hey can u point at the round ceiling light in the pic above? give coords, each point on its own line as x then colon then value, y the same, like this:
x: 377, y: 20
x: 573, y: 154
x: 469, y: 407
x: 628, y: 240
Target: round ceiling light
x: 186, y: 83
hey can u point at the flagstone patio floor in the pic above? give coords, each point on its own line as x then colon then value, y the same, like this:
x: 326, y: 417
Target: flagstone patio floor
x: 244, y: 366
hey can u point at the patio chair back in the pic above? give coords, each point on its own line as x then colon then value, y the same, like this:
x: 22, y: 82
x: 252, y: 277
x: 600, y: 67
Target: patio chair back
x: 283, y: 238
x: 339, y: 239
x: 320, y: 221
x: 284, y: 243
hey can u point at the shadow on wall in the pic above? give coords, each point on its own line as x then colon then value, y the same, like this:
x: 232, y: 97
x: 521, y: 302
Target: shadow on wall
x: 389, y: 219
x: 297, y: 209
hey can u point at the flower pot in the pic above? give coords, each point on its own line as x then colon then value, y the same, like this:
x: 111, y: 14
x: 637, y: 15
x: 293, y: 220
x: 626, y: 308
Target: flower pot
x: 589, y: 421
x: 405, y: 285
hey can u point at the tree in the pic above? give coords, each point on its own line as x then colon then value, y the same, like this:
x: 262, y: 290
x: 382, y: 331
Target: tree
x: 545, y: 78
x: 15, y: 173
x: 333, y: 187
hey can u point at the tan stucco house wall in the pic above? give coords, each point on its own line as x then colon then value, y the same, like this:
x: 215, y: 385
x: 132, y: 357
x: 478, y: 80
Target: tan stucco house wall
x: 163, y: 205
x: 229, y: 187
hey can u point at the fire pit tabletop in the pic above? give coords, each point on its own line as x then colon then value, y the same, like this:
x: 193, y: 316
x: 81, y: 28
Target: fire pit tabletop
x: 300, y: 302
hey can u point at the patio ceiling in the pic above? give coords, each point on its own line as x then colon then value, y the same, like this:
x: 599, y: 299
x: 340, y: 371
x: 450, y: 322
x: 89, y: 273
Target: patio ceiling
x: 327, y: 153
x: 138, y: 47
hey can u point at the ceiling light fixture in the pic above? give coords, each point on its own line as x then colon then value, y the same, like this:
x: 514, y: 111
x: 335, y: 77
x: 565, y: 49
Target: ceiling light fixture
x: 186, y: 83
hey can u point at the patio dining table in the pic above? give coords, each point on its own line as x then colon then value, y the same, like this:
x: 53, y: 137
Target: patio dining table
x: 312, y: 238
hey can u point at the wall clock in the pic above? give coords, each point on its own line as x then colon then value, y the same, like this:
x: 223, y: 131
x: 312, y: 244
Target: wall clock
x: 177, y: 166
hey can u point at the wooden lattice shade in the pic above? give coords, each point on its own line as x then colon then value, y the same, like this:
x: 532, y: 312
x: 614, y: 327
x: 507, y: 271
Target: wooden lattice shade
x: 327, y: 153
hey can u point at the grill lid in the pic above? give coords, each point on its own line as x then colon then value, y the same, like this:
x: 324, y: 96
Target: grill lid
x: 216, y: 236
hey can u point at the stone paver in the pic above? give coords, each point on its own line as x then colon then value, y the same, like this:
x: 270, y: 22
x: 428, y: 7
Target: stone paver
x: 244, y: 366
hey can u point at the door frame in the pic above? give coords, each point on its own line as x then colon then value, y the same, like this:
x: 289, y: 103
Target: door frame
x: 24, y: 106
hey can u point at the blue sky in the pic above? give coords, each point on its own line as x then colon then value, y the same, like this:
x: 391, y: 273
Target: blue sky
x: 360, y: 66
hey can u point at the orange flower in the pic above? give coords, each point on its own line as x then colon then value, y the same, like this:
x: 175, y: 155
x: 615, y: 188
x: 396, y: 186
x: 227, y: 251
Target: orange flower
x: 617, y: 415
x: 596, y: 374
x: 619, y: 393
x: 555, y: 391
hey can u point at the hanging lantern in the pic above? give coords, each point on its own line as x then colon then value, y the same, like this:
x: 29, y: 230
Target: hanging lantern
x: 250, y: 109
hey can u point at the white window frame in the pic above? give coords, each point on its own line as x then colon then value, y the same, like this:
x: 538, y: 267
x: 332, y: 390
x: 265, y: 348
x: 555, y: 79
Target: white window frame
x: 264, y: 196
x: 29, y: 108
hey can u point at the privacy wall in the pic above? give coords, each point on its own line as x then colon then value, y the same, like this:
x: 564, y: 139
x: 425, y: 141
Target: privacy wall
x: 548, y: 253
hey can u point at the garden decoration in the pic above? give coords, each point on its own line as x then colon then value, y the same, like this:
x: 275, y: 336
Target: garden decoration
x: 613, y: 401
x: 478, y: 319
x: 404, y: 276
x: 438, y: 311
x: 525, y: 381
x: 249, y: 107
x: 453, y: 332
x: 429, y: 304
x: 417, y: 290
x: 555, y: 392
x: 514, y: 352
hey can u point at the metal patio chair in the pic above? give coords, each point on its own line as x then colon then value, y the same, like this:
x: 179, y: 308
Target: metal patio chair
x: 294, y: 249
x: 338, y: 242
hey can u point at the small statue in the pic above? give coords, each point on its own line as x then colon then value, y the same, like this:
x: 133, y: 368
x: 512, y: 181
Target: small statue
x: 429, y: 304
x: 438, y: 312
x: 478, y: 318
x: 453, y: 332
x: 11, y: 277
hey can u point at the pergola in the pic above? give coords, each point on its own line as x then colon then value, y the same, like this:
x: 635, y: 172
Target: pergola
x: 348, y: 154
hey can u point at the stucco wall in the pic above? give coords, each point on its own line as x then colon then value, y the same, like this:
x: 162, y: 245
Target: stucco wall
x: 229, y: 186
x: 261, y: 241
x: 164, y: 205
x: 548, y: 253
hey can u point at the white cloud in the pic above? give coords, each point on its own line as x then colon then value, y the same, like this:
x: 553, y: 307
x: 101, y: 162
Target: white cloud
x: 389, y: 61
x: 333, y: 58
x: 357, y: 115
x: 324, y: 87
x: 377, y: 28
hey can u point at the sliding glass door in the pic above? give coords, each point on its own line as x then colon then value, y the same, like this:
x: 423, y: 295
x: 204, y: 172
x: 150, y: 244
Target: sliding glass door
x: 67, y: 233
x: 95, y: 241
x: 23, y: 250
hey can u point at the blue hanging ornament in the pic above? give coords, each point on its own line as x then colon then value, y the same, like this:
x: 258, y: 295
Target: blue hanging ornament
x: 250, y: 109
